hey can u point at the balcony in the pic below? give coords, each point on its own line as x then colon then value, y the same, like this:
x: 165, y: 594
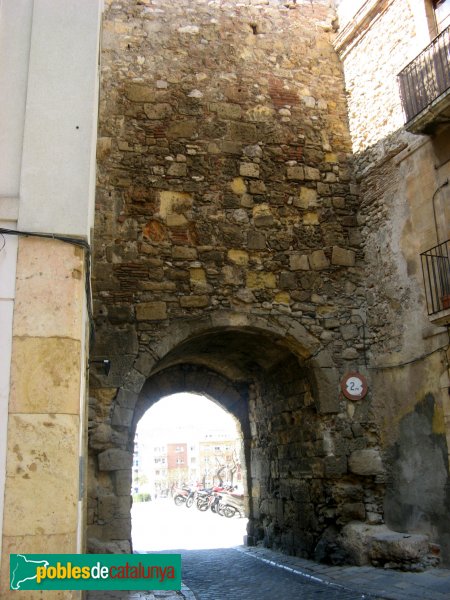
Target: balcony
x: 425, y: 87
x: 436, y: 276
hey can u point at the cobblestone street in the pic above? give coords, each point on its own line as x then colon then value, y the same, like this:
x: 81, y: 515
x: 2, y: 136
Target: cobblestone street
x: 226, y: 573
x: 234, y: 572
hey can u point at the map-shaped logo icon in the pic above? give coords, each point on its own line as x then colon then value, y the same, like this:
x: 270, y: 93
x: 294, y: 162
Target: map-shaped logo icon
x: 23, y: 569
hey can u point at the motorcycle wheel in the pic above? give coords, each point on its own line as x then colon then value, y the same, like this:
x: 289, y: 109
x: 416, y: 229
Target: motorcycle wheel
x: 179, y: 500
x: 202, y: 506
x: 228, y: 511
x: 189, y: 502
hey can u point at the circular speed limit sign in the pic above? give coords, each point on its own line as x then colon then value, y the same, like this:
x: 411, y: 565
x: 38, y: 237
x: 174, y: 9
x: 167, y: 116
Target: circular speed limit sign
x: 354, y: 386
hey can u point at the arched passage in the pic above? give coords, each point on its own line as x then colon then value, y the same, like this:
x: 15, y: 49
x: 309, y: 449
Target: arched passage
x: 185, y: 440
x: 293, y: 428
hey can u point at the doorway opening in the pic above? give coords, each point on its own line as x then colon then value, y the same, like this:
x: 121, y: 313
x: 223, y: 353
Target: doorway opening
x: 188, y: 476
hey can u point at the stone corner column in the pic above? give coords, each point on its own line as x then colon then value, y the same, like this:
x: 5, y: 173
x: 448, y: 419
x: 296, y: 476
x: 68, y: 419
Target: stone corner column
x: 41, y: 508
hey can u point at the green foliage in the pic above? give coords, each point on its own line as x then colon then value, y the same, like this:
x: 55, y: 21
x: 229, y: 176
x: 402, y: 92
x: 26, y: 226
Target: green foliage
x: 142, y: 497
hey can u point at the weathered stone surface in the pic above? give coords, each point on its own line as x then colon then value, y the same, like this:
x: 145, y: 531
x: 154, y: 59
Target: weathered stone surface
x: 114, y: 507
x: 126, y: 398
x: 262, y: 215
x: 122, y: 417
x: 45, y: 375
x: 114, y: 459
x: 341, y: 256
x: 96, y: 546
x: 52, y: 273
x: 240, y: 257
x: 261, y: 280
x: 238, y: 186
x: 352, y: 511
x: 194, y: 301
x: 295, y: 173
x: 122, y: 482
x: 307, y: 198
x: 177, y: 170
x: 318, y: 260
x: 182, y: 129
x: 157, y: 111
x: 249, y: 170
x: 398, y: 547
x: 184, y: 253
x: 151, y: 311
x: 36, y: 544
x: 355, y: 539
x: 36, y: 472
x: 101, y: 437
x: 104, y: 145
x: 366, y: 462
x: 299, y: 262
x: 379, y: 545
x: 256, y: 240
x: 312, y: 174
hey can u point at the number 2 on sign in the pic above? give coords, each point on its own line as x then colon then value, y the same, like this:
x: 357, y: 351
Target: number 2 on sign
x: 354, y: 386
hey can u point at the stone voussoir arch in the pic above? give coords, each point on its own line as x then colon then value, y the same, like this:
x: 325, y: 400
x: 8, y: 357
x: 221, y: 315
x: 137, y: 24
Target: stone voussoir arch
x: 222, y: 356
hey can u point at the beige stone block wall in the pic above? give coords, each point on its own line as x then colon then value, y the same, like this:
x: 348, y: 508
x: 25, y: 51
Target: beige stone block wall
x: 389, y: 42
x: 42, y: 472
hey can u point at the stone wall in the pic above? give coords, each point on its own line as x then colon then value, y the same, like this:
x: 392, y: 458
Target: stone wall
x: 227, y: 239
x: 399, y: 175
x: 374, y: 48
x: 312, y: 473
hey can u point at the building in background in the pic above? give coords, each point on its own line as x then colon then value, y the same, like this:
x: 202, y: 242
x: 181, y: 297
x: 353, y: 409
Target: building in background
x: 185, y: 454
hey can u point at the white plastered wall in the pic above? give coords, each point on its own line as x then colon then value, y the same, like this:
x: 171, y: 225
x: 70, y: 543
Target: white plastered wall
x: 48, y: 129
x: 15, y: 30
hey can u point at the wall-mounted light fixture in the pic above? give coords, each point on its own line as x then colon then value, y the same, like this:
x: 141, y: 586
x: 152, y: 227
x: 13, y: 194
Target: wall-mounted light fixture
x: 105, y: 362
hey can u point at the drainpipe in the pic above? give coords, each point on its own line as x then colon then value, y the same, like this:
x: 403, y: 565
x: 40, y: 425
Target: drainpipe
x: 434, y: 209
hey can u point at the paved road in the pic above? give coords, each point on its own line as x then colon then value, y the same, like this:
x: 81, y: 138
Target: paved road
x: 232, y: 573
x: 227, y: 574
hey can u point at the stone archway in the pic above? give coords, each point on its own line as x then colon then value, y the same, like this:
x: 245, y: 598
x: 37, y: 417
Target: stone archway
x: 227, y: 243
x: 296, y: 439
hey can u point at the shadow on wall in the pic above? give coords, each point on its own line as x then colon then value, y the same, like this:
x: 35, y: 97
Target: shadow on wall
x: 417, y: 496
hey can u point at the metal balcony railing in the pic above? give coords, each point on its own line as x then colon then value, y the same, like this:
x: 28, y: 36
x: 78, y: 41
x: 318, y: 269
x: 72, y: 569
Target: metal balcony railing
x: 426, y: 77
x: 436, y: 276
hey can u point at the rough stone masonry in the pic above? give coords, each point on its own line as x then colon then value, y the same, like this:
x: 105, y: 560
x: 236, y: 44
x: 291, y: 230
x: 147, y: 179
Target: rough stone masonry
x: 228, y: 260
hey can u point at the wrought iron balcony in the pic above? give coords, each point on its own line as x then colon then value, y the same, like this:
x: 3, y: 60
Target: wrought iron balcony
x: 425, y: 86
x: 436, y: 276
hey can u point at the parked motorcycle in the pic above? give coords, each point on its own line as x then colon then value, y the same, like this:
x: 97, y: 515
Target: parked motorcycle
x: 230, y: 504
x: 181, y: 495
x: 204, y: 499
x: 191, y: 498
x: 185, y: 495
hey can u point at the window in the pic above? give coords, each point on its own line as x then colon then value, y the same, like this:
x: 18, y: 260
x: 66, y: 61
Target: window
x: 441, y: 14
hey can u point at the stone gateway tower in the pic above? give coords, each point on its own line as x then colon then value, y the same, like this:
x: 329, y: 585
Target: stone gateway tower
x: 228, y: 258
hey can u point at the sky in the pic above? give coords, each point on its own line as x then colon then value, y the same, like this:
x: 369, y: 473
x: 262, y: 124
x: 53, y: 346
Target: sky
x: 186, y: 411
